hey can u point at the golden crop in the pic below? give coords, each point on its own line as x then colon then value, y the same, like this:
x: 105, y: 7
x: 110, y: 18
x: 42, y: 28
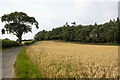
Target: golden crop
x: 63, y: 60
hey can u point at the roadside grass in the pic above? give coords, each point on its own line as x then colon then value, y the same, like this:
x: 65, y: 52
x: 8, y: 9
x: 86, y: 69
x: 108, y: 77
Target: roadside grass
x: 24, y: 68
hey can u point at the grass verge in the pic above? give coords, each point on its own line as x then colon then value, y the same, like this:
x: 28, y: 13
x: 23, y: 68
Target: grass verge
x: 24, y: 68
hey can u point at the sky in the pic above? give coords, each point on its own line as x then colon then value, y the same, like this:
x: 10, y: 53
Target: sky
x: 55, y: 13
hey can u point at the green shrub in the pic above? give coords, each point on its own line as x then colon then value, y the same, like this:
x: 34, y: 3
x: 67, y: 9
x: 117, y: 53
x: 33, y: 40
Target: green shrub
x: 6, y: 43
x: 29, y: 42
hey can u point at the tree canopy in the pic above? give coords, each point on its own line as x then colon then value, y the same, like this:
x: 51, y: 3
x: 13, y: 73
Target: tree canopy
x: 103, y: 33
x: 17, y: 23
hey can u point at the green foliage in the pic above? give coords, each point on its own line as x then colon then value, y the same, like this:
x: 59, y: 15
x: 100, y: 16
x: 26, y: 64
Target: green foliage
x: 29, y: 42
x: 102, y: 33
x: 6, y: 43
x: 24, y: 68
x: 18, y: 23
x: 40, y: 35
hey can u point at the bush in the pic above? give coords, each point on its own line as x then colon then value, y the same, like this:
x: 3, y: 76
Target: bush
x: 29, y: 42
x: 6, y: 43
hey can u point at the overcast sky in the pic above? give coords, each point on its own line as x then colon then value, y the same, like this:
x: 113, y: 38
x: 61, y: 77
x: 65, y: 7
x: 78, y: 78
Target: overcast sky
x: 55, y: 13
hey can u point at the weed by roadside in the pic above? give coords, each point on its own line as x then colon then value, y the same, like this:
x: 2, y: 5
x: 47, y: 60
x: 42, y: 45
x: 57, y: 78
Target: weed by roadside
x: 24, y: 68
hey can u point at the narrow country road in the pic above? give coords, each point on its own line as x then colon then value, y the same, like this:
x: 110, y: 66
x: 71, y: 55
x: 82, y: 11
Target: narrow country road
x: 7, y: 59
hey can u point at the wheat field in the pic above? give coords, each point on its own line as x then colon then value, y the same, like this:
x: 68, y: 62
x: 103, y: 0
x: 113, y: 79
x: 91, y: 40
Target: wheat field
x: 68, y: 60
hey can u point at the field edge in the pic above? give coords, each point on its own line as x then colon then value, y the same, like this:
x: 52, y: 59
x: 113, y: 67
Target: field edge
x: 24, y: 68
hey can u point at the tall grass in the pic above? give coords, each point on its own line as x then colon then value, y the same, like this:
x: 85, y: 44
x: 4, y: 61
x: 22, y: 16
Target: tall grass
x: 24, y: 68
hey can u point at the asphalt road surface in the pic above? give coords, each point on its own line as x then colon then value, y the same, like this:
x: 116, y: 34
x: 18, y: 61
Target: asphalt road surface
x: 7, y: 60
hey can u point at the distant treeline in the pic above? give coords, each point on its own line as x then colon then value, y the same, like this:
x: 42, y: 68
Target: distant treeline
x: 102, y: 33
x: 26, y: 40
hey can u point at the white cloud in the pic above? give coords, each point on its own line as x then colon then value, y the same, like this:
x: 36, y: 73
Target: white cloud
x: 54, y: 13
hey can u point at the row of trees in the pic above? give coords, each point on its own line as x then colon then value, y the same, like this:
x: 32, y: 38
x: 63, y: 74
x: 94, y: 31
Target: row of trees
x: 18, y: 23
x: 102, y: 33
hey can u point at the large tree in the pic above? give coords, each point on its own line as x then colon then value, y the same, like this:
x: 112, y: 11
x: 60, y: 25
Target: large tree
x: 118, y: 25
x: 18, y: 23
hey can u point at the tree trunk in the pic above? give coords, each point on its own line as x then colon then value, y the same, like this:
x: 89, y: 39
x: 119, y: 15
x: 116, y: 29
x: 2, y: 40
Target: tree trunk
x: 20, y: 39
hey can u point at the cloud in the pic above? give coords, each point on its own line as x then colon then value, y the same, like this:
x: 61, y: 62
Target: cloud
x: 54, y: 13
